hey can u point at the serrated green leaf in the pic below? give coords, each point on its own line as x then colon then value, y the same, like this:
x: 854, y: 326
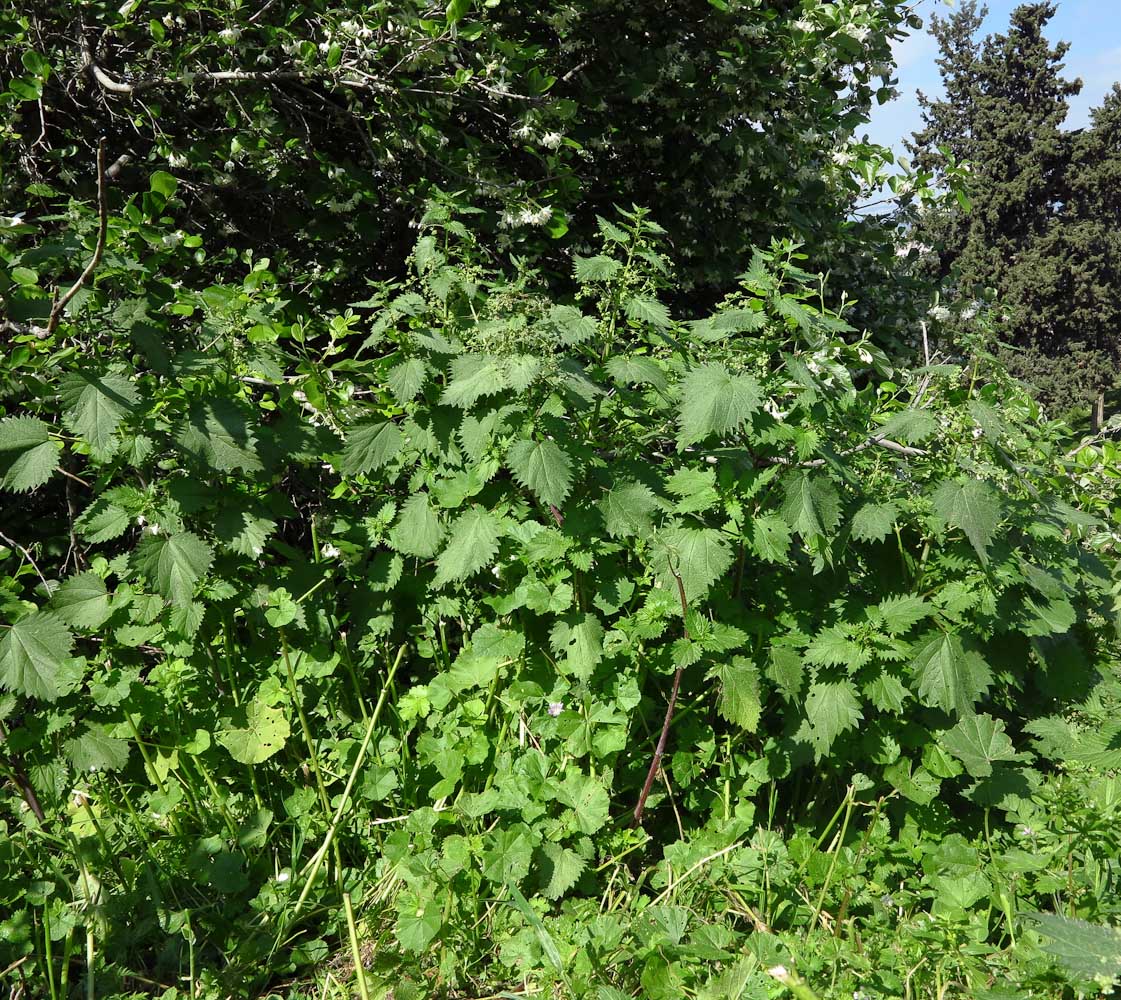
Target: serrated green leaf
x: 949, y: 676
x: 265, y: 732
x: 715, y: 402
x: 563, y: 870
x: 832, y: 708
x: 770, y: 538
x: 82, y: 601
x: 898, y: 613
x: 32, y: 652
x: 569, y: 325
x: 874, y: 521
x: 542, y: 468
x: 1084, y: 948
x: 174, y: 563
x: 740, y: 703
x: 977, y: 741
x: 474, y: 376
x: 406, y: 379
x: 636, y: 370
x: 370, y: 446
x: 580, y: 642
x: 28, y: 456
x: 700, y: 556
x: 95, y: 405
x: 97, y: 750
x: 971, y: 506
x: 587, y: 798
x: 243, y: 531
x: 419, y: 530
x: 418, y: 921
x: 1051, y: 618
x: 102, y: 521
x: 909, y: 426
x: 626, y: 510
x: 219, y: 434
x: 473, y: 544
x: 811, y: 506
x: 598, y: 268
x: 645, y: 309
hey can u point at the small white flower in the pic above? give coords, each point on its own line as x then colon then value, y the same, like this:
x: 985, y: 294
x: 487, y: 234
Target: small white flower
x: 330, y: 551
x: 229, y: 35
x: 176, y: 160
x: 551, y: 140
x: 940, y: 313
x: 779, y: 972
x: 283, y: 876
x: 168, y: 20
x: 842, y: 157
x: 555, y: 708
x: 10, y: 221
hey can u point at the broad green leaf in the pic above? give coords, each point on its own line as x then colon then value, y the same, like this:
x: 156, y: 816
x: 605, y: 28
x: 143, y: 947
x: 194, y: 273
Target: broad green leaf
x: 977, y: 741
x: 569, y: 325
x: 219, y: 434
x: 598, y: 268
x: 1051, y: 618
x: 370, y: 446
x: 949, y: 677
x: 28, y: 456
x: 1084, y: 948
x: 32, y: 652
x: 508, y: 855
x: 739, y: 693
x: 832, y: 646
x: 634, y: 369
x: 832, y: 708
x: 897, y: 614
x: 418, y: 921
x: 644, y: 309
x: 770, y: 538
x: 920, y: 786
x: 243, y: 531
x: 102, y: 521
x: 97, y: 750
x: 874, y: 521
x: 473, y: 544
x: 562, y: 869
x: 82, y: 601
x: 714, y: 401
x: 95, y: 405
x: 970, y: 506
x: 626, y: 510
x: 588, y: 800
x: 580, y: 643
x: 174, y: 563
x: 811, y: 506
x: 542, y: 468
x: 406, y: 379
x: 419, y: 530
x: 909, y: 426
x: 700, y: 556
x: 472, y: 377
x: 265, y: 732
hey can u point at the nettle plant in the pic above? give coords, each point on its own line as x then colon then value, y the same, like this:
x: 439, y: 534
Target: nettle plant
x: 551, y: 540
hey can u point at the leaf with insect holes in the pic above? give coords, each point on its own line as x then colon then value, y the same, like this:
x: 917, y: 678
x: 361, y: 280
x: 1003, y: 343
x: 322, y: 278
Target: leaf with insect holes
x: 32, y: 652
x: 28, y: 456
x: 264, y: 733
x: 715, y: 402
x: 174, y: 563
x: 370, y: 446
x: 82, y: 601
x: 971, y: 506
x: 95, y: 405
x: 542, y: 468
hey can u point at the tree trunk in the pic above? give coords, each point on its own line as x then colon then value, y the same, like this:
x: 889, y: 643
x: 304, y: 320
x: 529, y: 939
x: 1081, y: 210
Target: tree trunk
x: 1097, y: 414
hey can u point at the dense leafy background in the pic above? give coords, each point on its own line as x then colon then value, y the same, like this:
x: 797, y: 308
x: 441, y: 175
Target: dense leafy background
x: 348, y: 565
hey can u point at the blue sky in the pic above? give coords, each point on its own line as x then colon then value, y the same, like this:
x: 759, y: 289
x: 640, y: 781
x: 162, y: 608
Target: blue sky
x: 1093, y: 27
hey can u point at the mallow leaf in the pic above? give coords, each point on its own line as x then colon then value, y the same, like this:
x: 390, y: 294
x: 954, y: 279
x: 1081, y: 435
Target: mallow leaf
x: 977, y: 741
x: 265, y: 732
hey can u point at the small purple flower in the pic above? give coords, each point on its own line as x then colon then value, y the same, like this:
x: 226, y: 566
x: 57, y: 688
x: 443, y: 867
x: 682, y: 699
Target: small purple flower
x: 555, y: 708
